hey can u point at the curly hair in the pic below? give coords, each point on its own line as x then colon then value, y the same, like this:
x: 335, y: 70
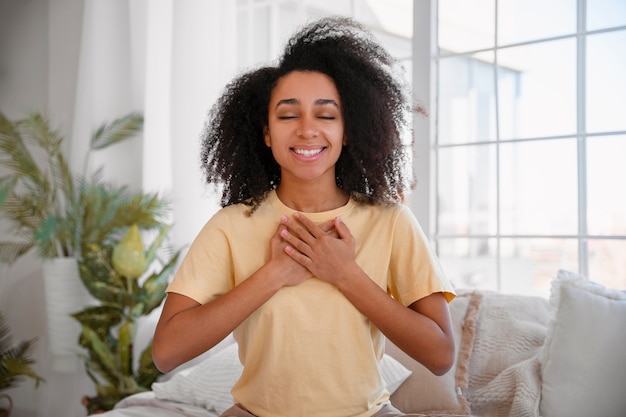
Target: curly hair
x: 372, y: 166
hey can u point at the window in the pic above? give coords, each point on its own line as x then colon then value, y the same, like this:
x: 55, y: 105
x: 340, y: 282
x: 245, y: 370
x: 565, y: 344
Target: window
x: 529, y: 141
x: 264, y: 25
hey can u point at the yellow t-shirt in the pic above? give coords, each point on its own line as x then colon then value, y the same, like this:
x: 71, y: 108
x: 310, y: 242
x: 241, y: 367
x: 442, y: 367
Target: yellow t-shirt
x: 308, y: 351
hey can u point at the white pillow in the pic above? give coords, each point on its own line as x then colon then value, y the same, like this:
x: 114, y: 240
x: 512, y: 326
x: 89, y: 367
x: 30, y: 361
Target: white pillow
x: 208, y: 384
x: 584, y: 356
x: 393, y: 373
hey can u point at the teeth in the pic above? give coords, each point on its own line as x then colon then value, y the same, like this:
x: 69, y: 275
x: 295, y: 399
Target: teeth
x: 307, y: 152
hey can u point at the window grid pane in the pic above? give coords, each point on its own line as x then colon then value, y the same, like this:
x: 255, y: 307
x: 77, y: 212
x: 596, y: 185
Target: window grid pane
x: 528, y: 20
x: 470, y: 263
x: 538, y: 187
x: 606, y: 84
x: 537, y: 90
x: 554, y: 197
x: 467, y: 190
x: 467, y: 94
x: 606, y: 190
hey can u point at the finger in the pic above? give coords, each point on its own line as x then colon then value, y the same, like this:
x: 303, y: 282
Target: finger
x: 277, y: 237
x: 295, y: 242
x: 279, y: 229
x: 295, y: 226
x: 299, y: 257
x: 328, y: 227
x: 313, y: 229
x: 302, y: 227
x: 342, y: 229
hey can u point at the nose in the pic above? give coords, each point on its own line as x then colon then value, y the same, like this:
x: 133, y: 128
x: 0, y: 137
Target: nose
x: 307, y: 128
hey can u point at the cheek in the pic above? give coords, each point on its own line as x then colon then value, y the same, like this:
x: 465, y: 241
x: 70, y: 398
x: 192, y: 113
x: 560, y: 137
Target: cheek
x: 340, y: 136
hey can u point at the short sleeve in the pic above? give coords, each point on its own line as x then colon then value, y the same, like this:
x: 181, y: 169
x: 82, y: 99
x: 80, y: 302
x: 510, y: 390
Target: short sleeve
x: 206, y: 270
x: 414, y: 271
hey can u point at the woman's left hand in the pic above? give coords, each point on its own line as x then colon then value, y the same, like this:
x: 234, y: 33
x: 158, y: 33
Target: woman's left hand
x: 326, y: 250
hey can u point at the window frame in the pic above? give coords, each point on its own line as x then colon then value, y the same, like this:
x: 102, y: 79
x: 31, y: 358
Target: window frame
x: 424, y: 200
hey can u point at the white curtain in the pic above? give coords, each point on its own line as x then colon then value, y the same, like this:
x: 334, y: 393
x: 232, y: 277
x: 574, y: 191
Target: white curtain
x: 169, y: 60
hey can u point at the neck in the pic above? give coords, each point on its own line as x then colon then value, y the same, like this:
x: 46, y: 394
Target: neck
x: 312, y: 199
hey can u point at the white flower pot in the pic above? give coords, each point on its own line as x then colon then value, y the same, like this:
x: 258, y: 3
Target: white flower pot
x: 65, y: 294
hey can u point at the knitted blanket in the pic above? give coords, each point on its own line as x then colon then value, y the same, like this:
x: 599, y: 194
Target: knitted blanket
x: 504, y: 371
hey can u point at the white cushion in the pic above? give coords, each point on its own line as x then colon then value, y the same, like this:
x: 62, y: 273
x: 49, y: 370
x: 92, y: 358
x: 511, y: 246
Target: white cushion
x: 393, y: 373
x: 584, y: 357
x: 208, y: 384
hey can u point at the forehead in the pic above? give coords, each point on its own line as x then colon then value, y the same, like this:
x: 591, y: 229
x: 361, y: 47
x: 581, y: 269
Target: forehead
x: 305, y: 85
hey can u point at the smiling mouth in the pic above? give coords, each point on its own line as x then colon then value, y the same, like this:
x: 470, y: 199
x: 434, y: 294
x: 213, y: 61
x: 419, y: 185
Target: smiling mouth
x: 308, y: 152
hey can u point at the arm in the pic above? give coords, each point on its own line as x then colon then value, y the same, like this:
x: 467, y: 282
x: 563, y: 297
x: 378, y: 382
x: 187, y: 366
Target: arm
x: 187, y: 328
x: 423, y: 330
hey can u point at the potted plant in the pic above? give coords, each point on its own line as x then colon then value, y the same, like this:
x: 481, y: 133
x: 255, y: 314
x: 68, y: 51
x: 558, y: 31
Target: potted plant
x: 98, y: 227
x: 15, y: 363
x: 129, y: 283
x: 46, y: 205
x: 58, y: 213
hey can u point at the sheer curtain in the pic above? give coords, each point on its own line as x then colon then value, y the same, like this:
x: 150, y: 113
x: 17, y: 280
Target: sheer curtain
x: 169, y: 60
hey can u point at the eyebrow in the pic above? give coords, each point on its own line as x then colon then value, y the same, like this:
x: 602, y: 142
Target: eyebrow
x: 318, y: 102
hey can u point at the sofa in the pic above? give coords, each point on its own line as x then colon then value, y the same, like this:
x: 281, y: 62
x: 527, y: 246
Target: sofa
x: 517, y: 356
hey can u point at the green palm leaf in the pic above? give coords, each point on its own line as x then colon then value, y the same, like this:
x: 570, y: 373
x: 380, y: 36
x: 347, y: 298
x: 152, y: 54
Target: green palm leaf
x: 15, y: 155
x: 117, y: 131
x: 15, y: 361
x: 37, y: 129
x: 7, y: 185
x: 41, y: 201
x: 11, y: 251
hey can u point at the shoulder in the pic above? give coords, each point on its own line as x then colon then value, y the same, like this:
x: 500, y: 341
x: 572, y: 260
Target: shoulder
x: 228, y: 213
x: 242, y: 215
x: 398, y: 219
x: 386, y: 211
x: 226, y: 217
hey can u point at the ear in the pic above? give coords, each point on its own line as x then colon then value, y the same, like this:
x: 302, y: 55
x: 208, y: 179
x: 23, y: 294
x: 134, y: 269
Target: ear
x: 345, y: 141
x: 266, y: 136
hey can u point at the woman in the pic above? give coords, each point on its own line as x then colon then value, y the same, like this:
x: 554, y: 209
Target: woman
x: 312, y: 260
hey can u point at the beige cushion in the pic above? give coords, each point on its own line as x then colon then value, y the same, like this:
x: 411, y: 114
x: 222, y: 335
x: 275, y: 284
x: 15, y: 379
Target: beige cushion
x: 504, y: 375
x: 426, y: 393
x: 583, y: 360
